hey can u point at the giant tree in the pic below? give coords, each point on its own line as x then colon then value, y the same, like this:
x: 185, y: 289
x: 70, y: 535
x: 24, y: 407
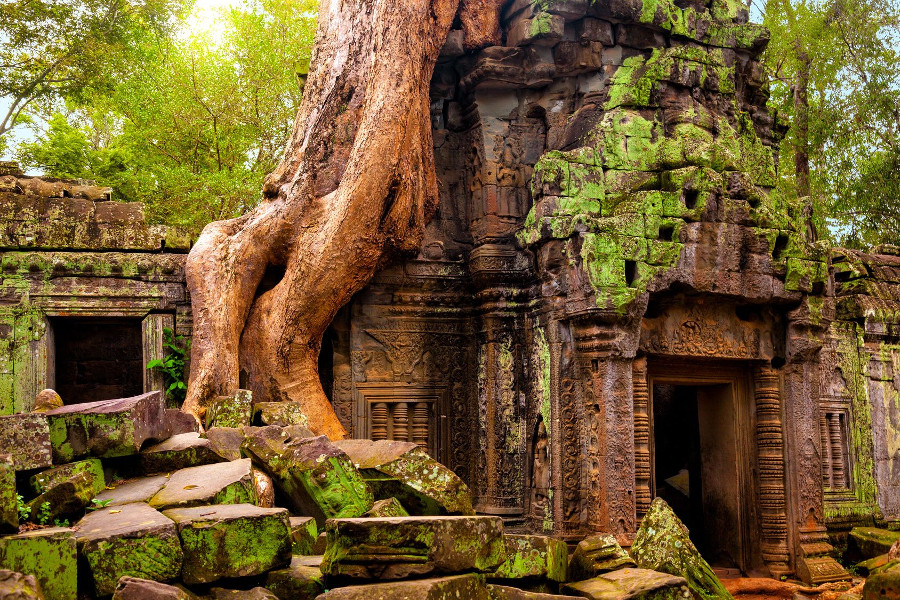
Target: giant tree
x: 356, y: 184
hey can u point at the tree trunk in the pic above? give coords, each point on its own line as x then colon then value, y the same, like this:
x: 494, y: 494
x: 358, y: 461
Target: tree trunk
x: 356, y: 184
x: 801, y: 128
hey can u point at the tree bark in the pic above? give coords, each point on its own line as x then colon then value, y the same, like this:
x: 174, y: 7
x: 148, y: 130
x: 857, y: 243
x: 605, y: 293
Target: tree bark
x: 356, y: 184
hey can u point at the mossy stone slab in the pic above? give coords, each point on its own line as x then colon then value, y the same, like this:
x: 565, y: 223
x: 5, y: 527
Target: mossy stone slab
x: 280, y: 413
x: 398, y: 547
x: 884, y: 585
x: 390, y: 507
x: 299, y: 581
x: 457, y: 587
x: 662, y: 544
x: 304, y: 532
x: 631, y: 584
x: 46, y: 480
x: 130, y: 539
x: 221, y: 483
x: 9, y: 514
x: 225, y: 441
x: 595, y: 555
x: 108, y: 428
x: 405, y: 471
x: 26, y: 438
x: 233, y: 540
x: 533, y: 557
x: 179, y: 452
x: 68, y: 496
x: 16, y: 586
x: 504, y: 592
x: 230, y: 411
x: 318, y: 479
x: 133, y: 588
x: 870, y: 542
x: 49, y: 555
x: 132, y: 490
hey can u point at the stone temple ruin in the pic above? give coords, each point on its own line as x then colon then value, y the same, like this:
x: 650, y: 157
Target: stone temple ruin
x: 615, y: 302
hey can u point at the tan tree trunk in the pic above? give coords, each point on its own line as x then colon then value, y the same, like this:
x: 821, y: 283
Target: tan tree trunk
x: 356, y: 184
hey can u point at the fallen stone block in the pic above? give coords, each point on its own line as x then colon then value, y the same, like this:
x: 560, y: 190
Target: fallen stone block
x: 132, y: 490
x: 404, y: 471
x: 179, y: 452
x: 225, y: 441
x: 256, y: 593
x: 178, y: 422
x: 628, y: 584
x: 318, y: 479
x: 397, y: 547
x: 871, y: 565
x: 46, y: 400
x: 869, y: 542
x: 299, y: 581
x: 303, y: 534
x: 26, y: 439
x: 596, y: 555
x: 222, y: 483
x: 130, y: 539
x: 502, y: 592
x: 533, y: 558
x: 280, y: 413
x: 133, y: 588
x: 470, y: 587
x: 883, y: 585
x: 67, y: 489
x: 662, y: 544
x: 46, y: 480
x: 389, y: 507
x: 9, y: 514
x: 230, y: 411
x: 49, y: 555
x: 233, y: 540
x: 107, y: 428
x: 16, y: 586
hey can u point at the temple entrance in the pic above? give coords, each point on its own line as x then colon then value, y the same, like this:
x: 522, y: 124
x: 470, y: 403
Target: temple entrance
x: 699, y: 466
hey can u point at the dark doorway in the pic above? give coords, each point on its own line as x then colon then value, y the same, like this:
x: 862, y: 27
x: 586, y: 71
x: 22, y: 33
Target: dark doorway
x: 98, y: 359
x: 696, y: 465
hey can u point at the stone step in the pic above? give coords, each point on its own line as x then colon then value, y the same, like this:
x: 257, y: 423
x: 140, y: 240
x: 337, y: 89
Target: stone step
x: 221, y: 483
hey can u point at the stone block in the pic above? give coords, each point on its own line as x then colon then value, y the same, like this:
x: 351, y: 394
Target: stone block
x: 133, y: 588
x: 221, y: 483
x: 178, y: 422
x: 233, y: 540
x: 470, y: 587
x: 132, y: 490
x: 280, y: 413
x: 397, y: 547
x: 179, y: 452
x: 628, y: 584
x: 107, y: 428
x: 542, y: 29
x: 404, y: 471
x: 9, y: 514
x: 16, y: 586
x: 596, y: 30
x: 225, y: 441
x: 389, y: 507
x: 596, y: 555
x: 256, y: 593
x: 49, y: 555
x: 298, y: 581
x: 869, y: 542
x: 26, y: 438
x: 303, y: 534
x: 230, y: 411
x: 502, y: 592
x: 884, y: 585
x: 533, y: 557
x: 318, y: 479
x: 130, y: 539
x: 67, y: 489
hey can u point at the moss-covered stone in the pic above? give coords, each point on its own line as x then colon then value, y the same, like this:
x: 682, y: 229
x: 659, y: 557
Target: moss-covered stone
x: 235, y: 540
x: 49, y: 555
x: 869, y: 542
x: 395, y: 548
x: 230, y: 411
x: 133, y: 588
x: 470, y: 587
x: 179, y: 452
x: 298, y: 581
x: 884, y: 585
x: 130, y: 539
x: 46, y: 400
x: 533, y: 557
x: 9, y: 515
x: 662, y: 544
x: 303, y: 534
x: 389, y: 507
x: 70, y: 495
x: 221, y: 483
x: 225, y: 441
x: 140, y: 489
x: 16, y: 586
x: 26, y: 439
x: 280, y: 413
x: 596, y: 555
x: 631, y: 584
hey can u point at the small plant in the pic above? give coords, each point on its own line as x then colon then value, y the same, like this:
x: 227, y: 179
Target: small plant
x: 61, y: 522
x: 98, y: 504
x: 172, y: 366
x: 23, y: 509
x: 43, y: 514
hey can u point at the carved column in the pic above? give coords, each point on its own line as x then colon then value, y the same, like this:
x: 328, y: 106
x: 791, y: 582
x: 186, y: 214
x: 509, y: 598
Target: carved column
x: 642, y: 466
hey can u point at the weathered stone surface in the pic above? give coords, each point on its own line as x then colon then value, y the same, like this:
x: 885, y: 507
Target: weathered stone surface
x: 503, y: 592
x: 596, y: 555
x: 870, y: 542
x: 107, y: 428
x: 46, y: 480
x: 133, y: 588
x: 233, y: 540
x: 225, y: 441
x: 221, y: 483
x: 280, y: 413
x: 395, y: 548
x: 130, y: 539
x: 628, y: 583
x: 318, y: 479
x: 256, y: 593
x: 49, y: 555
x: 230, y: 411
x: 884, y: 585
x: 533, y: 557
x: 303, y: 534
x: 389, y: 507
x: 9, y: 515
x: 67, y: 489
x: 16, y: 586
x: 470, y: 587
x: 404, y: 471
x: 662, y: 544
x: 178, y: 422
x: 299, y: 581
x: 26, y: 438
x: 132, y: 490
x: 46, y: 400
x: 179, y: 452
x: 264, y: 488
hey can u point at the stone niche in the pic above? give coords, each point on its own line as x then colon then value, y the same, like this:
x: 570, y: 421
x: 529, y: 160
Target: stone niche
x: 87, y: 289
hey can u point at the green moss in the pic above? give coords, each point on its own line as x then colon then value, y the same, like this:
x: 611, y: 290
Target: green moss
x: 541, y: 25
x: 49, y: 555
x: 154, y: 557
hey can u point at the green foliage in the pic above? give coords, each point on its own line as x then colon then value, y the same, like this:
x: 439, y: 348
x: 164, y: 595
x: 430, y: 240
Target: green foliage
x: 61, y: 523
x: 98, y: 504
x: 23, y: 509
x: 172, y: 366
x: 43, y: 514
